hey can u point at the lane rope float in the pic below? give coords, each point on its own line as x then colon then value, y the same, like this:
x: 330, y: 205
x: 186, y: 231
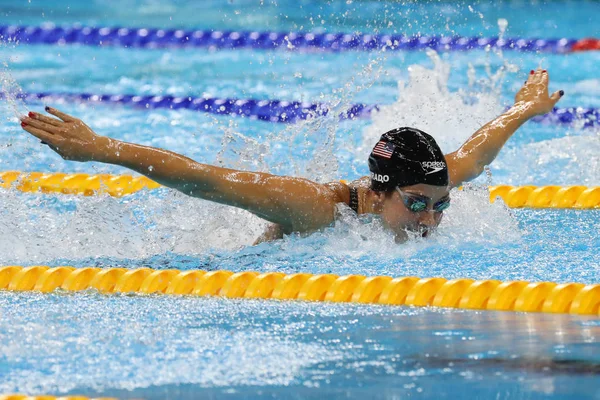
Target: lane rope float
x: 495, y: 295
x: 79, y: 184
x: 552, y: 196
x: 577, y: 197
x: 178, y: 38
x: 279, y: 111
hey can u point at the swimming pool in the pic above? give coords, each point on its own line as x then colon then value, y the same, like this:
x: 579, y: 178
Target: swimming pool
x: 162, y: 346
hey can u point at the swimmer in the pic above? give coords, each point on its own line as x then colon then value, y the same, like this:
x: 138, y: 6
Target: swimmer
x: 408, y: 187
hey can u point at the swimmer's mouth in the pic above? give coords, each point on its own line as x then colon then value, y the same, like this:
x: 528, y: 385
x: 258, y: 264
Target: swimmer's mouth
x: 422, y: 231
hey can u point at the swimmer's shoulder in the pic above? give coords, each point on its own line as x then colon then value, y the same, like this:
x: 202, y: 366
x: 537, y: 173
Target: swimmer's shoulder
x: 340, y: 192
x: 341, y: 189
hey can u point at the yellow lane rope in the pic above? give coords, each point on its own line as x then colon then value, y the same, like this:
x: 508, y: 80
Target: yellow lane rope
x: 579, y: 197
x: 574, y: 298
x: 84, y: 184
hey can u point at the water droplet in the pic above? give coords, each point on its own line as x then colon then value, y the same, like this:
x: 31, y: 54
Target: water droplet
x: 502, y: 25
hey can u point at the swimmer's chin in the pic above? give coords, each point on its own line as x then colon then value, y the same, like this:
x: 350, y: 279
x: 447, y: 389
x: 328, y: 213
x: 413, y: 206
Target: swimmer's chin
x: 402, y: 237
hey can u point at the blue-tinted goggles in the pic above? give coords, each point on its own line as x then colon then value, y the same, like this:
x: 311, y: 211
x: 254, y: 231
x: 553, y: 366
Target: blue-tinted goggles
x: 417, y: 203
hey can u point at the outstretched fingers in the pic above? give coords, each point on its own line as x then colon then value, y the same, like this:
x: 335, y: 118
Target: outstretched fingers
x: 38, y: 124
x: 60, y: 114
x: 43, y: 118
x: 38, y: 133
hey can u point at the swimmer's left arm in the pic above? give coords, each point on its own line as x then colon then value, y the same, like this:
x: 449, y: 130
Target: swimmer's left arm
x: 481, y: 149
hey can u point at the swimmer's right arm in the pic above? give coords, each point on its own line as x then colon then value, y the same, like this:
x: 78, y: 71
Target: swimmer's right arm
x: 295, y: 204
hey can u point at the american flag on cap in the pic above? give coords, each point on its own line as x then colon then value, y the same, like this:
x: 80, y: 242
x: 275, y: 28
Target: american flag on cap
x: 384, y: 149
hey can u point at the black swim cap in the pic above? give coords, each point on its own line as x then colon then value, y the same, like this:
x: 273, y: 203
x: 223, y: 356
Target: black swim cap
x: 405, y: 157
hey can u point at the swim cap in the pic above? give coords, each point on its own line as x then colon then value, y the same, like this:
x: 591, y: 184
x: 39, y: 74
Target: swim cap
x: 405, y: 157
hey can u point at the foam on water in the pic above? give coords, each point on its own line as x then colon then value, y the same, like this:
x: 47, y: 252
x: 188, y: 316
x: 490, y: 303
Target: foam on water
x: 39, y: 228
x: 471, y: 219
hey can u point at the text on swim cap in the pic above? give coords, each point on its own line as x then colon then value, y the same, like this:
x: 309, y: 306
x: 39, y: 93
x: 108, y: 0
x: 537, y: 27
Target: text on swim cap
x: 433, y: 164
x: 431, y: 167
x: 380, y: 178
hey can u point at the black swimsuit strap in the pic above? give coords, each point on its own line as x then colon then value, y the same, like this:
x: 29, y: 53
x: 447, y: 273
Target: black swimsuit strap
x: 353, y: 199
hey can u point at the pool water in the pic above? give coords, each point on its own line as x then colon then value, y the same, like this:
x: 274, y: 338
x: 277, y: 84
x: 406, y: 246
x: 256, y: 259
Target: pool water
x: 133, y: 346
x: 165, y: 347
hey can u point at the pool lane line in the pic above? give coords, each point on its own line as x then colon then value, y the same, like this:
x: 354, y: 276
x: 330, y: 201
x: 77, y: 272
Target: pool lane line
x: 278, y: 111
x: 152, y: 38
x: 553, y: 196
x: 492, y: 295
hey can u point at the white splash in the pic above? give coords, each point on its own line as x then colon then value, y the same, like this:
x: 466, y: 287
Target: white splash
x: 424, y: 102
x: 10, y: 88
x: 470, y: 219
x: 36, y: 228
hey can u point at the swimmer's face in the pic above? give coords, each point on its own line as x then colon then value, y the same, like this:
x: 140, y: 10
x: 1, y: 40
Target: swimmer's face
x: 400, y: 219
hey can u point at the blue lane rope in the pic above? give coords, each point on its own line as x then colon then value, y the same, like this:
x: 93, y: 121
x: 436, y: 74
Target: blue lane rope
x: 162, y: 38
x: 277, y: 110
x: 264, y: 110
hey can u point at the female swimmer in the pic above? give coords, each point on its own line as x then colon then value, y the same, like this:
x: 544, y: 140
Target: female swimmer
x: 408, y: 187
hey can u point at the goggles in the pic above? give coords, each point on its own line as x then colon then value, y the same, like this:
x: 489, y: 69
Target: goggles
x: 417, y: 203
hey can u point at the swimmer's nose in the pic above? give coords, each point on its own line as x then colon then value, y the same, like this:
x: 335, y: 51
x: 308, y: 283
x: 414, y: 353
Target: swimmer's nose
x: 427, y: 218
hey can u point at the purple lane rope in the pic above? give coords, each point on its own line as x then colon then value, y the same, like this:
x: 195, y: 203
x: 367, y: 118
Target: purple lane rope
x: 277, y: 110
x: 178, y: 38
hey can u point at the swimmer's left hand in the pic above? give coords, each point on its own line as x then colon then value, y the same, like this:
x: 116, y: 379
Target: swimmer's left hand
x: 533, y: 97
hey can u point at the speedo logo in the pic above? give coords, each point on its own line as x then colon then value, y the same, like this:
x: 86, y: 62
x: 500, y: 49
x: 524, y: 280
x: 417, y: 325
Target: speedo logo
x: 431, y: 167
x: 380, y: 178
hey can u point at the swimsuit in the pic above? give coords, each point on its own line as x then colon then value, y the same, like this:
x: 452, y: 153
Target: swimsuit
x: 353, y: 199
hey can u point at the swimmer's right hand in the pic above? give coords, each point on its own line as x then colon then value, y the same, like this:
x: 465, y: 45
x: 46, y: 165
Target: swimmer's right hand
x: 66, y: 135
